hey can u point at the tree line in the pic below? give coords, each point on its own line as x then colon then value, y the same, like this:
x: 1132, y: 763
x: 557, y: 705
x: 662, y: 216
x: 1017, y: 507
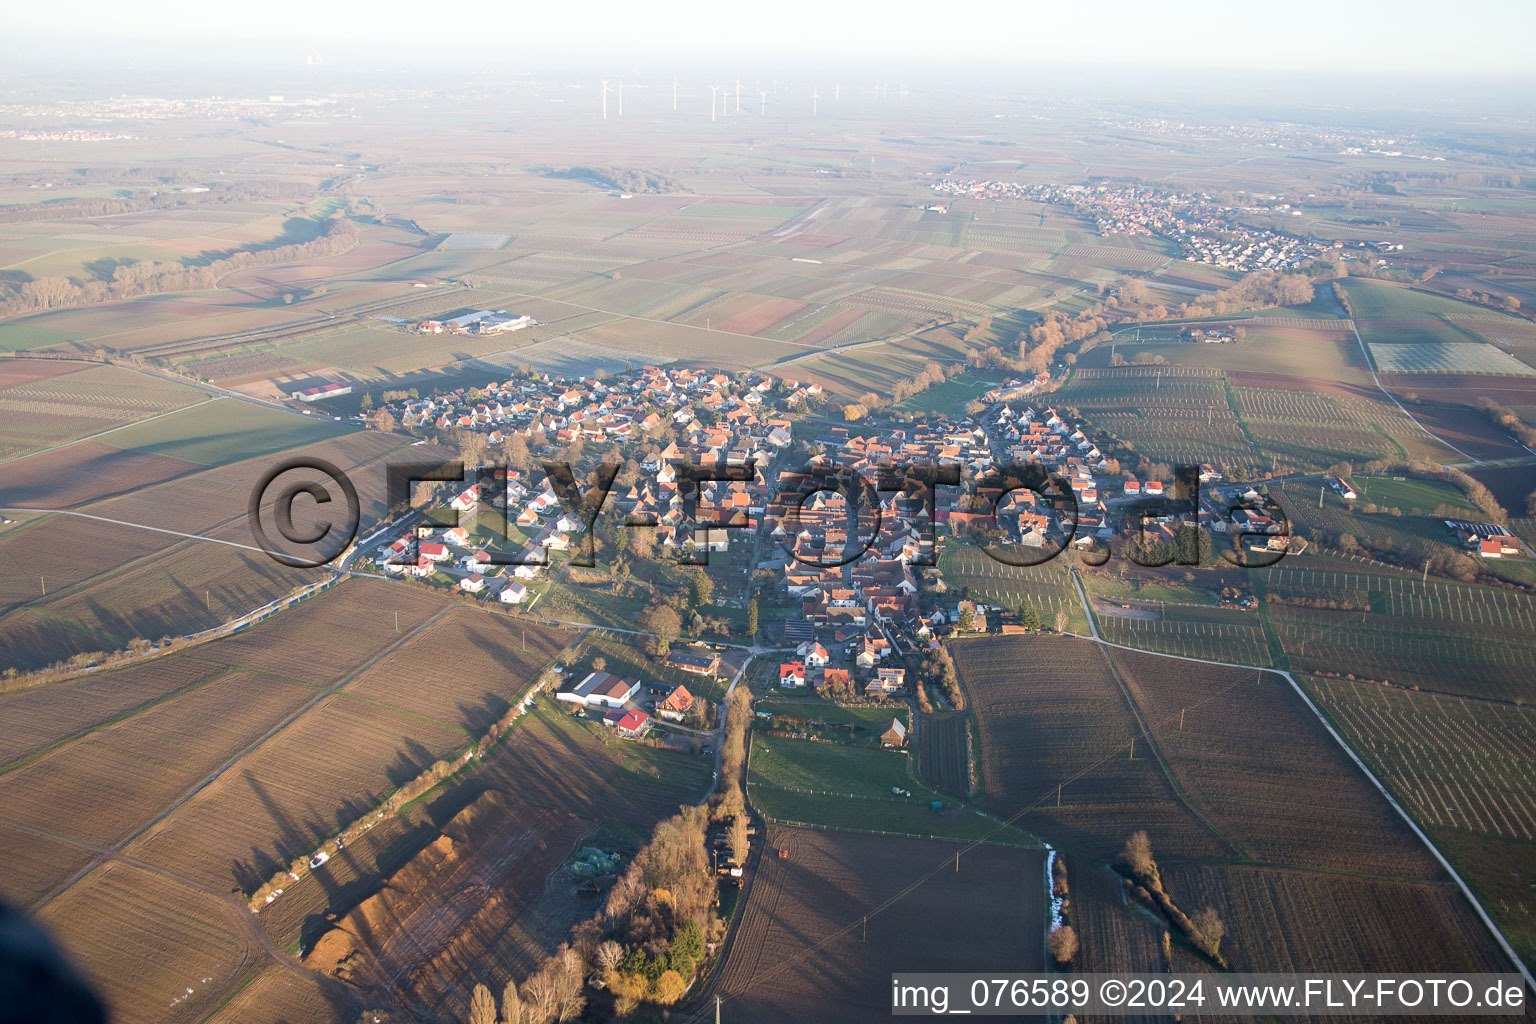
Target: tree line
x: 132, y: 279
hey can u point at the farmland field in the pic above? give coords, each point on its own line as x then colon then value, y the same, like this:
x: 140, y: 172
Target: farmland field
x: 283, y: 994
x: 82, y: 472
x: 339, y: 759
x: 1048, y: 712
x: 1462, y: 768
x: 145, y: 940
x: 1046, y: 587
x: 1385, y: 626
x: 839, y: 786
x: 225, y: 431
x: 1251, y: 757
x: 554, y: 761
x: 1215, y: 633
x: 1455, y: 763
x: 944, y: 752
x: 1281, y: 920
x: 82, y: 585
x: 40, y: 410
x: 1115, y: 934
x: 1172, y: 414
x: 116, y: 778
x: 1447, y: 357
x: 802, y: 949
x: 1302, y: 430
x: 465, y: 909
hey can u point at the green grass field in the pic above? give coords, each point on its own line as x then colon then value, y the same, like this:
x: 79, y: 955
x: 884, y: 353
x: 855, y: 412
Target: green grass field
x: 1412, y: 497
x: 871, y: 721
x: 19, y: 335
x: 224, y: 431
x: 949, y: 398
x: 839, y: 786
x: 1376, y: 300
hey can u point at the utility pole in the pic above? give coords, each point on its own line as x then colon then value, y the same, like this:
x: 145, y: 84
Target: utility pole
x: 1133, y: 749
x: 1181, y: 718
x: 43, y: 581
x: 397, y: 621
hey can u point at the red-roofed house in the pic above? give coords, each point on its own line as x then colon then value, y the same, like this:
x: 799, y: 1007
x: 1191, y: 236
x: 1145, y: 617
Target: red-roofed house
x: 676, y: 704
x: 633, y: 725
x: 792, y: 674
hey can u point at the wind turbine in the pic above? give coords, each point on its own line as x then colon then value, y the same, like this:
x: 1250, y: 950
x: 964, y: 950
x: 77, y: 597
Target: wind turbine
x: 815, y: 99
x: 674, y: 94
x: 605, y: 99
x: 621, y: 97
x: 903, y: 92
x: 837, y: 93
x: 762, y: 101
x: 714, y: 91
x: 738, y: 95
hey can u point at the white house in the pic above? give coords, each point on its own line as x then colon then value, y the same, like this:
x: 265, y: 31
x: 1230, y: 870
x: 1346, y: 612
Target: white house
x: 813, y: 654
x: 601, y: 690
x: 515, y: 592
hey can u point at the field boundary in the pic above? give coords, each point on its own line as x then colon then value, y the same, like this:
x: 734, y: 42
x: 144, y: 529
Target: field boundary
x: 901, y: 835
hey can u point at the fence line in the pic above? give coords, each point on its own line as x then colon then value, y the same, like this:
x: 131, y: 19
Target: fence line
x: 903, y: 835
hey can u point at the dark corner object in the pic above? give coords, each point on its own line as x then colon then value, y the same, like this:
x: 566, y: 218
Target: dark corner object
x: 37, y: 985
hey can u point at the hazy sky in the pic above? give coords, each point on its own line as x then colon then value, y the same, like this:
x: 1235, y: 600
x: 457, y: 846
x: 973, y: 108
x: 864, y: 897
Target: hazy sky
x: 1403, y: 37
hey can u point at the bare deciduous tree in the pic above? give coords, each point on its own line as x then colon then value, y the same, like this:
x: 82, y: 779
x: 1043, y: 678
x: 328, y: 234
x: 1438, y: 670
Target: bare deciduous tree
x: 482, y: 1006
x: 1063, y: 944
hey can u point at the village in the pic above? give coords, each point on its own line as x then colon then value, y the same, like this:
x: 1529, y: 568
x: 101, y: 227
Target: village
x: 1205, y: 229
x: 813, y: 517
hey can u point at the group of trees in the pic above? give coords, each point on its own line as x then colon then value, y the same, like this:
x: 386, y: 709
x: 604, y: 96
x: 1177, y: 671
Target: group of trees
x: 1062, y: 942
x: 222, y: 192
x: 1508, y: 303
x: 662, y: 620
x: 647, y: 944
x: 1258, y: 290
x: 1204, y: 930
x: 657, y: 915
x: 620, y: 179
x: 1039, y: 345
x: 1507, y: 419
x: 929, y: 375
x: 939, y: 668
x: 133, y: 278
